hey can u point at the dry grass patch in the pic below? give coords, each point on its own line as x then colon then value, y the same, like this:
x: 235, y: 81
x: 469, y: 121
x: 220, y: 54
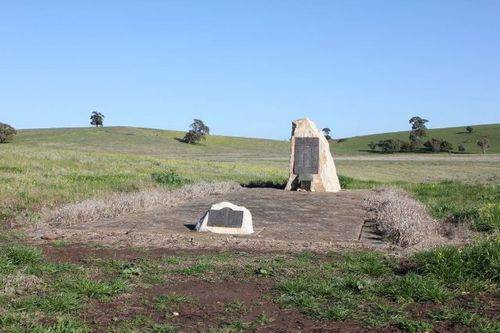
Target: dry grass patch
x: 401, y: 218
x: 19, y: 283
x: 114, y: 205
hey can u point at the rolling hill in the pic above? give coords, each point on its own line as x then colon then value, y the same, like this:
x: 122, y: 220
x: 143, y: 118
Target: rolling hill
x: 455, y: 135
x: 163, y: 143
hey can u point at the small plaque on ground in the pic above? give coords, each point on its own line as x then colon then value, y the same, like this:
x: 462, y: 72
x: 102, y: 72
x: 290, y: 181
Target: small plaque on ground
x: 306, y: 159
x: 225, y: 217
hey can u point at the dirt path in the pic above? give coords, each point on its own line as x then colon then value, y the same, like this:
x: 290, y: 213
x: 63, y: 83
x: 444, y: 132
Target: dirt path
x: 282, y: 221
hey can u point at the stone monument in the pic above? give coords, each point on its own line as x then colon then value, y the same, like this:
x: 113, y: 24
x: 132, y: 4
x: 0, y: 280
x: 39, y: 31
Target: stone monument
x: 311, y: 163
x: 226, y: 218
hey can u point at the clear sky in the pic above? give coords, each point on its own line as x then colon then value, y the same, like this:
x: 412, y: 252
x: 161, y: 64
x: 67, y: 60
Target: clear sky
x: 247, y: 68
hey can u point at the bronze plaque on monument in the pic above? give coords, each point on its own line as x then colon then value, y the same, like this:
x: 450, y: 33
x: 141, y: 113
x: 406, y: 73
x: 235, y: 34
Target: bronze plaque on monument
x: 306, y: 158
x: 225, y: 217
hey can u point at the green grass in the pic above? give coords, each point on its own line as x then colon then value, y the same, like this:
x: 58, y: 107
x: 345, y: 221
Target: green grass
x: 453, y: 266
x: 362, y: 285
x: 373, y: 289
x: 465, y: 318
x: 463, y: 202
x: 169, y: 303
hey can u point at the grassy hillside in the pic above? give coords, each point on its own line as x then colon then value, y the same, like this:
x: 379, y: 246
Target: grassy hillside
x: 153, y: 142
x: 455, y: 135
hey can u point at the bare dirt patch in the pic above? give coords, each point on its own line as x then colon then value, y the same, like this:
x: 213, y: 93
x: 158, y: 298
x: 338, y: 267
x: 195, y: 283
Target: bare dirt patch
x: 211, y: 304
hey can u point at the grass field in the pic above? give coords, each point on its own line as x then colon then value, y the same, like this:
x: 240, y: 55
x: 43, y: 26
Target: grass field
x: 62, y: 287
x: 46, y: 168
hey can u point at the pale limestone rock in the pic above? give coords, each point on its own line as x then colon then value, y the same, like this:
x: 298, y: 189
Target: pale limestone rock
x: 325, y: 180
x: 246, y: 225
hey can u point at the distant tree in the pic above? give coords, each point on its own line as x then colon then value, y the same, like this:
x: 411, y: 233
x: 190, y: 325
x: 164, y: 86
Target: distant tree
x: 461, y: 148
x: 96, y: 119
x: 434, y: 144
x: 405, y: 146
x: 439, y: 145
x: 484, y: 144
x: 197, y: 132
x: 199, y: 127
x: 416, y: 145
x: 326, y: 132
x: 418, y: 128
x: 7, y: 132
x: 390, y: 145
x: 446, y: 146
x: 372, y: 145
x: 469, y: 129
x: 192, y: 137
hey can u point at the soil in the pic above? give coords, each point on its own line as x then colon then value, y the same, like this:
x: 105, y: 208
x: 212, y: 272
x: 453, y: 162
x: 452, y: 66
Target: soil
x: 282, y: 220
x: 208, y: 308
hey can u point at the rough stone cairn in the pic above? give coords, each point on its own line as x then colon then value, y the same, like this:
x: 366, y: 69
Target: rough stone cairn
x: 311, y: 163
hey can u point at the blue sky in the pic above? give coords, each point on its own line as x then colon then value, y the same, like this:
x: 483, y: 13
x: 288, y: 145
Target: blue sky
x: 250, y: 67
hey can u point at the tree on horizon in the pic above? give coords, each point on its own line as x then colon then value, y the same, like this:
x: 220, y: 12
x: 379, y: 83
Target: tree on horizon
x: 96, y: 119
x: 326, y: 132
x: 418, y: 128
x: 198, y: 132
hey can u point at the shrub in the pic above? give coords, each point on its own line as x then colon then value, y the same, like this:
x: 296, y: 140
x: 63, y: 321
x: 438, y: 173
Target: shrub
x: 390, y: 145
x: 433, y: 144
x: 7, y: 132
x: 192, y: 137
x: 437, y: 145
x: 416, y: 145
x: 484, y: 144
x: 461, y: 148
x: 446, y: 146
x: 168, y: 178
x: 400, y: 217
x: 405, y: 146
x: 372, y: 145
x: 469, y: 129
